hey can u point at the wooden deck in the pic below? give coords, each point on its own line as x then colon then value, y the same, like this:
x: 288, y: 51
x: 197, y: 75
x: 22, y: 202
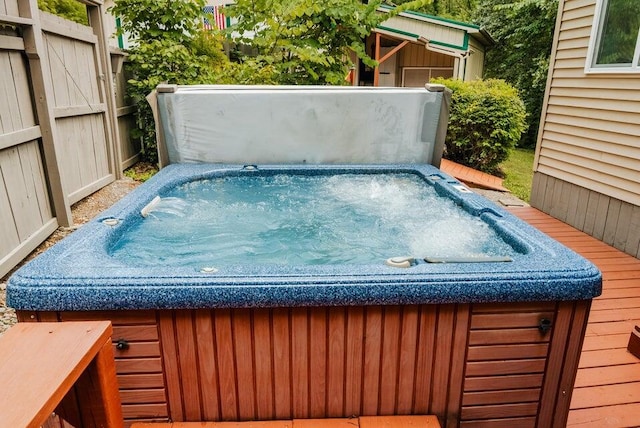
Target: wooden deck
x: 607, y: 387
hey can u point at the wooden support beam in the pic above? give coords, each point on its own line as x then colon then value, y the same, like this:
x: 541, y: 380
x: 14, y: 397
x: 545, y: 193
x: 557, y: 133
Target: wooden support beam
x: 393, y: 51
x: 376, y: 71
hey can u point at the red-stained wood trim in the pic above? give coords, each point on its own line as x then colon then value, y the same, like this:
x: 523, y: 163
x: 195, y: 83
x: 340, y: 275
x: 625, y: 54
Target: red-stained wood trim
x: 282, y: 363
x: 318, y: 362
x: 141, y: 381
x: 226, y: 364
x: 208, y: 375
x: 299, y: 360
x: 500, y: 397
x: 170, y: 363
x: 372, y: 363
x: 264, y: 365
x: 407, y: 359
x: 490, y: 383
x: 507, y: 352
x: 244, y: 349
x: 458, y: 357
x: 514, y: 320
x: 354, y: 360
x: 389, y: 360
x: 425, y: 357
x: 336, y: 348
x: 442, y: 362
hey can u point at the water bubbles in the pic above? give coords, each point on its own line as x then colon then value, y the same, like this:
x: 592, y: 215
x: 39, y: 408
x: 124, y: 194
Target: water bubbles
x: 305, y: 220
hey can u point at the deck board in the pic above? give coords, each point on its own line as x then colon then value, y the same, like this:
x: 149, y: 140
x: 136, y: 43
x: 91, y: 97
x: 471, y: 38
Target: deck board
x: 607, y: 387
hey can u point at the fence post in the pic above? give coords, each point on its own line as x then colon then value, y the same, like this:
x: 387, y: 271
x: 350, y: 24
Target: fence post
x: 96, y: 21
x: 43, y: 94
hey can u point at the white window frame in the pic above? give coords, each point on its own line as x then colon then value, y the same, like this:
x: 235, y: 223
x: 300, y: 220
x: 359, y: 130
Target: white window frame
x: 594, y: 41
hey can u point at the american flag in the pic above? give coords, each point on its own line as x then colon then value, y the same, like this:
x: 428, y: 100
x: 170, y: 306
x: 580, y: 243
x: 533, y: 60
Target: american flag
x: 219, y: 20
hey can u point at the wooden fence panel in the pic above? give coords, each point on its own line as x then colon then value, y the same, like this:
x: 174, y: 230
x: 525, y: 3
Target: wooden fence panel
x: 79, y: 107
x: 129, y: 147
x: 58, y: 133
x: 25, y: 208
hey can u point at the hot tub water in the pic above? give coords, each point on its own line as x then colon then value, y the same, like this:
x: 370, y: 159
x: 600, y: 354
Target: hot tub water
x: 287, y: 219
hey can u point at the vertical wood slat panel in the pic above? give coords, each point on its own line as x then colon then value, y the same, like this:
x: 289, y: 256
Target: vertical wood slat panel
x: 264, y: 363
x: 208, y: 371
x: 371, y: 364
x: 407, y: 360
x: 326, y: 362
x: 458, y: 359
x: 336, y: 349
x: 245, y: 378
x: 282, y: 363
x: 318, y: 362
x: 226, y: 364
x: 354, y: 361
x: 389, y: 360
x: 442, y: 361
x: 170, y: 364
x: 188, y: 366
x: 606, y: 218
x: 299, y: 362
x: 425, y: 359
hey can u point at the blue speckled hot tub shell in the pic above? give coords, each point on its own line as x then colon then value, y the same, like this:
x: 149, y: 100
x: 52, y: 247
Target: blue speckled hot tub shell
x: 79, y: 274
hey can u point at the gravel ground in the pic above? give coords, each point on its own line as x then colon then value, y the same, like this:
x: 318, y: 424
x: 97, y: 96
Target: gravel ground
x: 94, y: 204
x: 82, y: 211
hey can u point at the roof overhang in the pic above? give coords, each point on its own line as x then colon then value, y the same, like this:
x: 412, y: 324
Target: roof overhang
x: 397, y: 28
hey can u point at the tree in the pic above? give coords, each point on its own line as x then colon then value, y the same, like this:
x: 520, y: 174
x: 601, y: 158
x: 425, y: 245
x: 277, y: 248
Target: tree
x: 460, y: 10
x: 523, y: 30
x: 169, y: 46
x: 306, y: 41
x: 69, y: 9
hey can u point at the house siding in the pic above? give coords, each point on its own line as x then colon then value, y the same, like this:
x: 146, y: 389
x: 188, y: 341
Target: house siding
x: 588, y: 154
x: 475, y: 61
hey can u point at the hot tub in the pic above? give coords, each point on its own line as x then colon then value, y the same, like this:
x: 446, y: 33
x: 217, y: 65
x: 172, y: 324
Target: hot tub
x: 487, y: 336
x: 477, y: 340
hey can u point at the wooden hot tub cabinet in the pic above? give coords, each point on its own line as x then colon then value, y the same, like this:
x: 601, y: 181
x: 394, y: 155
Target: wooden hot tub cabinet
x: 480, y: 365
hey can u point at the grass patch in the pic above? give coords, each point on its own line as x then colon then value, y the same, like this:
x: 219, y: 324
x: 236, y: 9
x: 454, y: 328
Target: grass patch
x: 518, y: 171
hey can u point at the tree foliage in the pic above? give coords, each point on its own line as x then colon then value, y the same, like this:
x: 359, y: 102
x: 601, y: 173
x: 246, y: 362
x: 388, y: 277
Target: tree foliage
x: 297, y: 42
x: 461, y: 10
x: 169, y: 46
x: 69, y: 9
x: 306, y: 41
x: 486, y: 121
x: 523, y: 30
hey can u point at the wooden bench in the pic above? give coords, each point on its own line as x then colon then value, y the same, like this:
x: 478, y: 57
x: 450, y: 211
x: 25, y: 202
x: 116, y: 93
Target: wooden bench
x: 426, y: 421
x: 41, y: 362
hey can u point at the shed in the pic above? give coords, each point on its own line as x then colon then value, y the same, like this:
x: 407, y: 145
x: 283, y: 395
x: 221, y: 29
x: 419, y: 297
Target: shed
x: 587, y: 163
x: 413, y: 47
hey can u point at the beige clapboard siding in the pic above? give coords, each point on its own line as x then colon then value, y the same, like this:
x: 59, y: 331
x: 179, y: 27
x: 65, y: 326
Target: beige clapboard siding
x: 431, y: 31
x: 590, y: 127
x: 475, y: 62
x: 579, y: 52
x: 592, y: 93
x: 588, y: 149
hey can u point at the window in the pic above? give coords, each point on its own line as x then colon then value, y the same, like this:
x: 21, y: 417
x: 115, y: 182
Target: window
x: 615, y: 40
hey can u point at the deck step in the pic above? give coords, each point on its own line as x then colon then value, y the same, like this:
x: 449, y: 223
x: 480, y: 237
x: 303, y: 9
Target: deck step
x: 422, y: 421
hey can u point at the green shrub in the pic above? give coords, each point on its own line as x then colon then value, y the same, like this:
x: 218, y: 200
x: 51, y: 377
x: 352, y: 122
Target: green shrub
x: 487, y: 118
